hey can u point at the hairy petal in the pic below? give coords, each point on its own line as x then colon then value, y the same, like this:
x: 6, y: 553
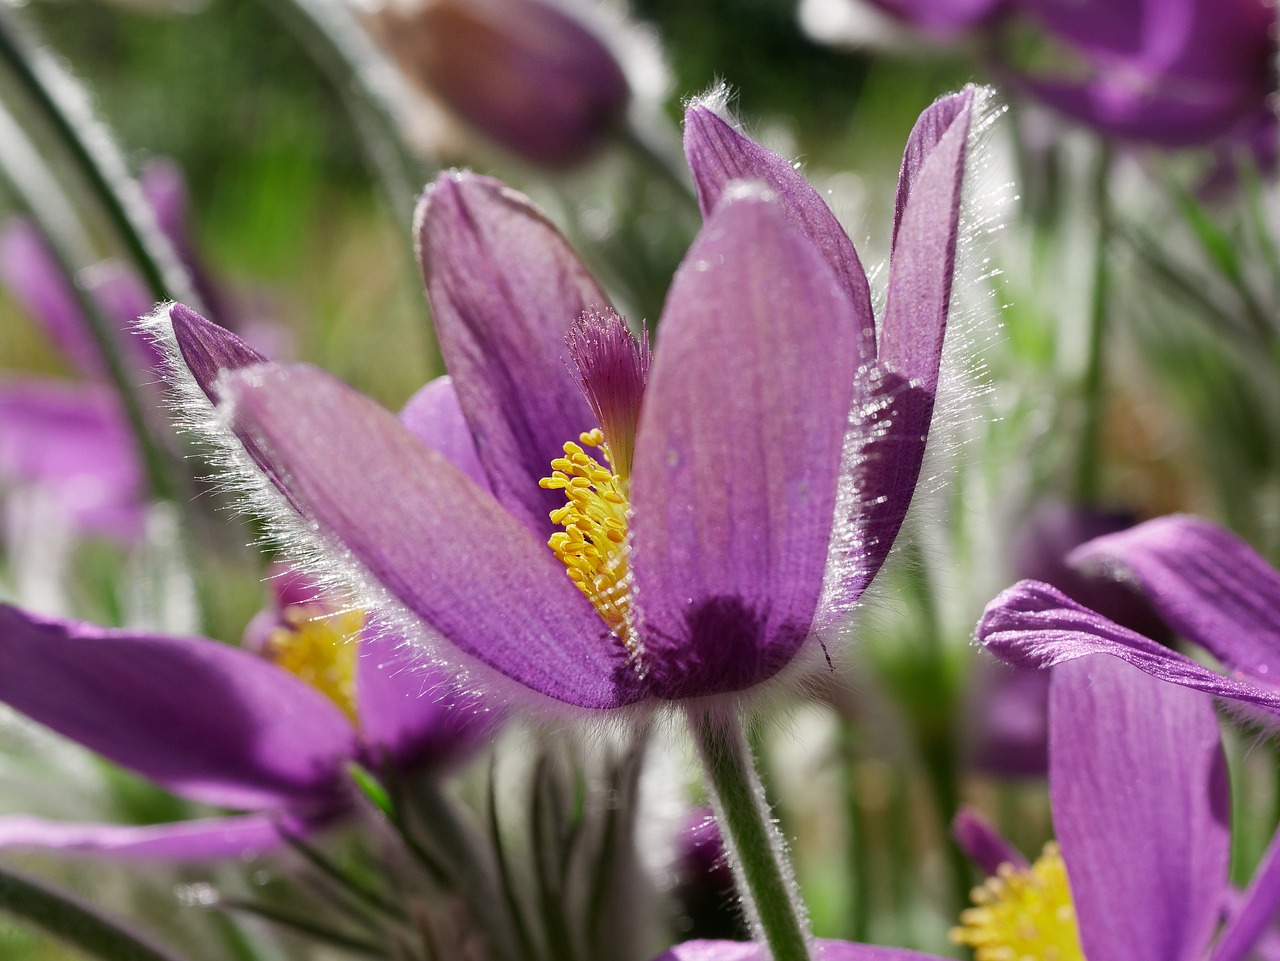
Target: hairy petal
x: 738, y: 453
x: 1137, y: 782
x: 823, y: 950
x: 206, y: 720
x: 440, y: 545
x: 1034, y: 625
x: 505, y: 286
x: 719, y: 155
x: 1206, y: 583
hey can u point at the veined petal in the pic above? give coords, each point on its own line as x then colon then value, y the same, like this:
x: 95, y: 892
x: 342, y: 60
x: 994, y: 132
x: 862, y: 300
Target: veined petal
x: 206, y: 720
x: 504, y: 287
x: 201, y: 839
x: 434, y: 416
x: 1138, y: 787
x: 823, y: 950
x: 915, y: 321
x: 1034, y: 625
x: 719, y: 155
x: 208, y: 349
x: 738, y: 453
x: 410, y: 710
x: 1206, y: 583
x: 438, y: 544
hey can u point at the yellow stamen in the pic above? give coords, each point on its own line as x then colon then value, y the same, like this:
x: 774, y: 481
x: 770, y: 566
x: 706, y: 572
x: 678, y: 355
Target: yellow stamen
x: 319, y: 646
x: 1023, y: 915
x: 592, y: 545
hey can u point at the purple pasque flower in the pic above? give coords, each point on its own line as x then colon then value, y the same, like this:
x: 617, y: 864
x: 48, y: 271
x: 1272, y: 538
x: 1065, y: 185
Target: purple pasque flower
x: 1205, y: 582
x: 942, y: 18
x: 70, y: 440
x: 529, y: 74
x: 703, y: 557
x: 1170, y: 72
x: 268, y: 734
x: 1139, y: 871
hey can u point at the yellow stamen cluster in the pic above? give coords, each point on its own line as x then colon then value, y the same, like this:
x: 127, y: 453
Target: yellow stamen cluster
x: 319, y: 646
x: 592, y: 544
x: 1023, y: 915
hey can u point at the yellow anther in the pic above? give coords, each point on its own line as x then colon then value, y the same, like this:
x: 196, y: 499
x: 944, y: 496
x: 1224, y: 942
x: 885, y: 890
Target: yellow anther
x: 319, y: 646
x: 592, y: 545
x: 1023, y: 914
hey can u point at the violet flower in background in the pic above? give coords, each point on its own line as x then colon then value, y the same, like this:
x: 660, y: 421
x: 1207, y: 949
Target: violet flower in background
x: 526, y: 73
x: 269, y: 734
x: 942, y: 18
x: 1174, y: 73
x: 704, y: 889
x: 1206, y: 583
x: 702, y: 559
x: 1138, y: 790
x: 1009, y: 705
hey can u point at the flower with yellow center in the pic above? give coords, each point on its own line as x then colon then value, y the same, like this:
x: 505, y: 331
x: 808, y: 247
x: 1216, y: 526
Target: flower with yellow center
x: 1023, y: 915
x: 319, y: 646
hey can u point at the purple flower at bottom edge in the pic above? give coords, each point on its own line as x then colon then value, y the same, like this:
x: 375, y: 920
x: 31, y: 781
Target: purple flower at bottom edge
x: 704, y: 554
x: 270, y: 735
x: 1138, y: 790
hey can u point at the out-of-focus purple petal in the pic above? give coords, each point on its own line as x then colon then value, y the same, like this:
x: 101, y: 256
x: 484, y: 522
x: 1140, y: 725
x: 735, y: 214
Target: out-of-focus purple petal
x: 208, y: 721
x: 525, y: 72
x: 410, y: 710
x: 440, y: 545
x: 1112, y: 27
x: 738, y: 453
x: 1164, y: 115
x: 982, y: 844
x: 123, y: 297
x: 1009, y: 731
x: 915, y: 321
x: 1138, y: 787
x: 203, y: 839
x: 941, y: 17
x: 73, y: 442
x: 504, y: 287
x: 31, y: 273
x: 1034, y: 625
x: 822, y: 949
x: 718, y: 156
x: 1207, y: 584
x: 434, y: 416
x: 1255, y: 913
x: 208, y: 349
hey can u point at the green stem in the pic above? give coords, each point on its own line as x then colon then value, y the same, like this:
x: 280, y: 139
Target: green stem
x: 858, y: 923
x: 64, y: 106
x: 1087, y: 476
x: 764, y: 877
x: 74, y: 922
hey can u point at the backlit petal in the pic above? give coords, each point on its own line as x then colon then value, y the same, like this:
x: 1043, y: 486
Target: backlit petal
x: 434, y: 416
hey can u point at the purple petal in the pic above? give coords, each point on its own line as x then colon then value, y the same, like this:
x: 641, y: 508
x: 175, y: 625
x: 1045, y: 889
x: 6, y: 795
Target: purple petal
x: 123, y: 297
x: 32, y: 274
x: 1034, y: 625
x: 410, y: 711
x: 1138, y: 787
x: 208, y: 349
x: 73, y: 442
x: 982, y: 844
x: 915, y: 321
x: 940, y: 17
x: 823, y: 951
x: 738, y: 453
x: 434, y: 416
x: 718, y: 156
x: 504, y: 286
x: 1206, y: 583
x: 206, y: 720
x: 439, y: 544
x: 1253, y: 917
x: 1009, y: 726
x: 236, y: 836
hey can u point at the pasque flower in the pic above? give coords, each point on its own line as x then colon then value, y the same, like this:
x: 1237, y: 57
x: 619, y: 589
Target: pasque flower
x: 1138, y: 872
x: 722, y: 533
x: 1205, y: 582
x: 268, y: 734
